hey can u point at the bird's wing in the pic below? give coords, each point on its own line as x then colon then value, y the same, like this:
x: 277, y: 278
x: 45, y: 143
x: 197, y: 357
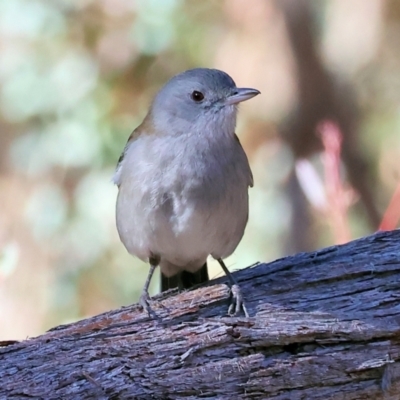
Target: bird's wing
x: 250, y: 174
x: 132, y: 137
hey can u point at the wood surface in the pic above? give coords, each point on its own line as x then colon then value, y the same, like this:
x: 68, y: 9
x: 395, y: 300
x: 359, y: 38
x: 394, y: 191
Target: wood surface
x: 323, y: 325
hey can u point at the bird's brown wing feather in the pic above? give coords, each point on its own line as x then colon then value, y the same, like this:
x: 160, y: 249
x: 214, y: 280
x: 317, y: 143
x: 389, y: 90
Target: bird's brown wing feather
x: 145, y: 128
x: 132, y: 137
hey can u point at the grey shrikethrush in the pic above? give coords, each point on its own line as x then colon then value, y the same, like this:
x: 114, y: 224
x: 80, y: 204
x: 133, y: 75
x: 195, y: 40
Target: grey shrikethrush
x: 183, y: 182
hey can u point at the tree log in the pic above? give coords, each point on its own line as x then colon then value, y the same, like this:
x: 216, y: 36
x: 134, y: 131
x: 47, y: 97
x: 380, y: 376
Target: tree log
x: 323, y: 325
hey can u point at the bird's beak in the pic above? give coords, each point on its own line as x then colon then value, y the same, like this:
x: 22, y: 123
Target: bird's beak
x: 240, y: 94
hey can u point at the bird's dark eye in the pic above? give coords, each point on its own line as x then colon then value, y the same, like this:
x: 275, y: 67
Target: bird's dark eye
x: 197, y: 96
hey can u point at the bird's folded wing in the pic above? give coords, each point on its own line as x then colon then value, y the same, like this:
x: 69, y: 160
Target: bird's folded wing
x: 250, y: 174
x: 132, y: 137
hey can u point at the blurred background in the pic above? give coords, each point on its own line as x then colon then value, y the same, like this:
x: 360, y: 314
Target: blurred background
x: 77, y: 76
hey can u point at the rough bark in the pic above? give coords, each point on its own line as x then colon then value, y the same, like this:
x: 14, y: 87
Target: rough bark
x: 323, y: 325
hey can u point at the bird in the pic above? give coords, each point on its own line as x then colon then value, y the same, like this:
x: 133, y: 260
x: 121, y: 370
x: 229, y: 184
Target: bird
x: 183, y: 180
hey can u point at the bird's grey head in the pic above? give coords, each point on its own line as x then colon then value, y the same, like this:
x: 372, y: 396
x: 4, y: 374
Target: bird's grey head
x: 198, y: 99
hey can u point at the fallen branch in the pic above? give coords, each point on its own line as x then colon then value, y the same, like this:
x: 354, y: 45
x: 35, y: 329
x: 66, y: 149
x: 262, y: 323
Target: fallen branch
x: 324, y: 325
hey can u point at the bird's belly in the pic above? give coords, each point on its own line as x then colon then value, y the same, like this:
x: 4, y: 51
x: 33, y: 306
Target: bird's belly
x: 183, y: 202
x: 183, y: 226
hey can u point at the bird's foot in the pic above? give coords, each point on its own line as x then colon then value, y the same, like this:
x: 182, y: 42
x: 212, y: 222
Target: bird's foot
x: 144, y: 301
x: 237, y: 302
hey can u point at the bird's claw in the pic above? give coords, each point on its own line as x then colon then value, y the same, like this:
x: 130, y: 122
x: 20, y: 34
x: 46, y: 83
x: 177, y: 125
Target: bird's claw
x: 237, y: 302
x: 144, y: 301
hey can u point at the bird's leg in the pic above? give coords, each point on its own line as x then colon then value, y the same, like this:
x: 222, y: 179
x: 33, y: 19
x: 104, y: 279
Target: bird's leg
x: 237, y: 298
x: 145, y: 297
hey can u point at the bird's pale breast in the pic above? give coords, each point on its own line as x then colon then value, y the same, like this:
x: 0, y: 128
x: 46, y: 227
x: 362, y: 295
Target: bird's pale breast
x: 183, y: 199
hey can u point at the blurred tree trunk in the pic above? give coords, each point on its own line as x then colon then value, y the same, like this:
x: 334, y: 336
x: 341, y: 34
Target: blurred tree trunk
x: 324, y: 325
x: 321, y: 96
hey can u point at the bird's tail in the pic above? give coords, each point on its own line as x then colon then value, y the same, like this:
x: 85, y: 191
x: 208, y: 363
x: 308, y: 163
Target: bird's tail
x: 185, y: 279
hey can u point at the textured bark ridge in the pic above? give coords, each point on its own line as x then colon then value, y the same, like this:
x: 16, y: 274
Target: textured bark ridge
x: 323, y: 325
